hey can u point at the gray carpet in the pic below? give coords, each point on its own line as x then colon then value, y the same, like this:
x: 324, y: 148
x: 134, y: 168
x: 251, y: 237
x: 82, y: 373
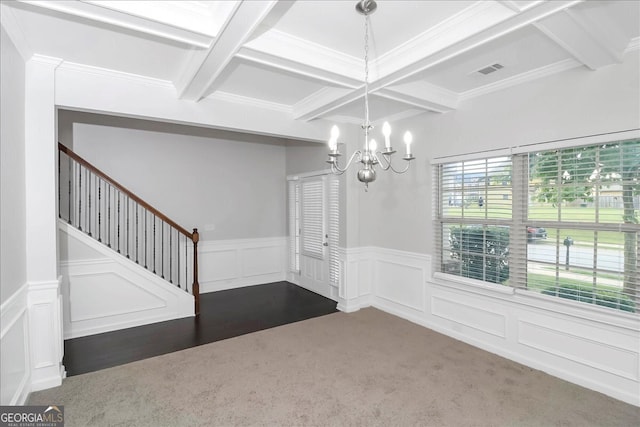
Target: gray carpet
x: 366, y: 369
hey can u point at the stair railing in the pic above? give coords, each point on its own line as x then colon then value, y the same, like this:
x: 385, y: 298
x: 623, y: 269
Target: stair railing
x: 96, y: 204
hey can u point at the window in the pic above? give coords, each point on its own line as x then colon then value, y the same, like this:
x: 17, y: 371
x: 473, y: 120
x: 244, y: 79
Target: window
x: 562, y: 222
x: 475, y: 218
x: 294, y: 225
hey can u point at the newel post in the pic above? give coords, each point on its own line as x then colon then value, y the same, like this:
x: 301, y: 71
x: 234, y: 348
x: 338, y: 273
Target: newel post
x: 196, y: 286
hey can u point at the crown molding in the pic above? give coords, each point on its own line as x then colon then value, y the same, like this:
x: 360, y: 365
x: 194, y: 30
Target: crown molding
x: 529, y: 76
x: 584, y: 39
x: 289, y: 65
x: 47, y: 60
x: 100, y: 13
x: 108, y: 73
x: 423, y: 95
x: 470, y: 21
x: 12, y: 27
x: 279, y: 44
x: 633, y: 45
x: 305, y: 108
x: 253, y: 102
x: 455, y: 46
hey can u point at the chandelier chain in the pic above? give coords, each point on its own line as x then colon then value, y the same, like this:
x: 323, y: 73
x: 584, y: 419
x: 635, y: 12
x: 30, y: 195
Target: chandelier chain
x: 369, y: 157
x: 366, y: 74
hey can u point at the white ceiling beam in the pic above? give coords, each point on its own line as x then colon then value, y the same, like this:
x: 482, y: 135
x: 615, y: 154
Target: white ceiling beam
x: 326, y: 74
x: 422, y: 95
x: 481, y: 37
x: 325, y: 100
x: 500, y: 25
x: 202, y: 69
x: 584, y: 40
x: 116, y: 18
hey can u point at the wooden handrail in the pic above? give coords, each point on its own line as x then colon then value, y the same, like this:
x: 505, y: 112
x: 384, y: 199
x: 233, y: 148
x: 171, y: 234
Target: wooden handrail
x: 122, y: 188
x: 194, y: 236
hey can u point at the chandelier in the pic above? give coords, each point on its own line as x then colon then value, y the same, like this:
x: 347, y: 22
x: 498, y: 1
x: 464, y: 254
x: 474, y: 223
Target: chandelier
x: 369, y: 156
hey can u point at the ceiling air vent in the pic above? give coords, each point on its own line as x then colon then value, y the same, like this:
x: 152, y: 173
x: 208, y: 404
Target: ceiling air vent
x: 490, y: 69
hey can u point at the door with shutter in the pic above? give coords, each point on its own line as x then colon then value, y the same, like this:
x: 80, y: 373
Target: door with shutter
x: 314, y: 235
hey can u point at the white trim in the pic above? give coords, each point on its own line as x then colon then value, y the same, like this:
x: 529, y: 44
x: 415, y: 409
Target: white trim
x: 113, y: 74
x: 501, y: 152
x: 491, y: 287
x: 245, y: 100
x: 151, y: 299
x: 593, y: 347
x: 634, y: 44
x: 544, y: 145
x: 14, y: 315
x: 231, y: 264
x: 12, y: 27
x: 578, y: 141
x: 529, y: 76
x: 299, y: 176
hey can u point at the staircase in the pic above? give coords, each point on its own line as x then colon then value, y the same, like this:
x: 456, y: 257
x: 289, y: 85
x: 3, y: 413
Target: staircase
x: 97, y: 206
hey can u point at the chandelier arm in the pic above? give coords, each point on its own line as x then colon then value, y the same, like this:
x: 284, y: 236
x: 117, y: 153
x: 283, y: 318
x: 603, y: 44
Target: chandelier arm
x: 343, y: 170
x: 389, y: 165
x: 387, y: 160
x: 398, y: 171
x: 335, y: 170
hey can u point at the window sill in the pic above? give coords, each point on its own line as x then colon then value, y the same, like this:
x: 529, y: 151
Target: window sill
x: 473, y: 283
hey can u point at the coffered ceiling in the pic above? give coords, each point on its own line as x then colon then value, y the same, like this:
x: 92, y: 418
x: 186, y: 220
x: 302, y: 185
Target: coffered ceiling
x: 305, y: 57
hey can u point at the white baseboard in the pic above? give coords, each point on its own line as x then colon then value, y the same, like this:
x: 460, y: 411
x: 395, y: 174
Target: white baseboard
x: 230, y: 264
x: 596, y: 348
x: 15, y: 369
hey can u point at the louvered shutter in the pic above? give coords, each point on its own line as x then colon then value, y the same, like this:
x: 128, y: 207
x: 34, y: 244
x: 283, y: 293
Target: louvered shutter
x: 334, y: 232
x: 294, y: 225
x: 313, y: 217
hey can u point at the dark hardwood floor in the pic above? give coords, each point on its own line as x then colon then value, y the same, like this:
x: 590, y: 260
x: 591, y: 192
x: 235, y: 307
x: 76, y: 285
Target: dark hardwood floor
x: 223, y: 314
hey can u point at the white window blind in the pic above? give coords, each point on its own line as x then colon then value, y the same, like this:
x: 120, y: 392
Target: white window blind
x: 561, y: 222
x: 294, y: 225
x: 582, y: 224
x: 334, y: 231
x: 312, y: 204
x: 474, y: 200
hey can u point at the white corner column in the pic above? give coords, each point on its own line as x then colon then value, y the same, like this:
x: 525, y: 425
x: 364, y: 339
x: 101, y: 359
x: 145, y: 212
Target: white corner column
x: 44, y: 300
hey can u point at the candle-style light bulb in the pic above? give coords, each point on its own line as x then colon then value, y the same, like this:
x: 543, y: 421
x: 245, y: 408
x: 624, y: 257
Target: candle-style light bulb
x: 333, y: 141
x: 408, y: 138
x: 386, y: 131
x: 373, y: 145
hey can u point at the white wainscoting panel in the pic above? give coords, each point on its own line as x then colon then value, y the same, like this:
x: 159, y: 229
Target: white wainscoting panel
x: 112, y: 292
x: 591, y: 346
x: 398, y: 279
x: 468, y: 315
x: 229, y: 264
x: 14, y: 349
x: 355, y: 287
x: 45, y: 334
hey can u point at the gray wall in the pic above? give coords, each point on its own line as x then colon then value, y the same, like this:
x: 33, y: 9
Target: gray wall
x: 12, y: 167
x: 575, y: 103
x: 306, y: 157
x: 227, y: 186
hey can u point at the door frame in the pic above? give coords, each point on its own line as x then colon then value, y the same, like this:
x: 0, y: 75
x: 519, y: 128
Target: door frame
x: 296, y: 276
